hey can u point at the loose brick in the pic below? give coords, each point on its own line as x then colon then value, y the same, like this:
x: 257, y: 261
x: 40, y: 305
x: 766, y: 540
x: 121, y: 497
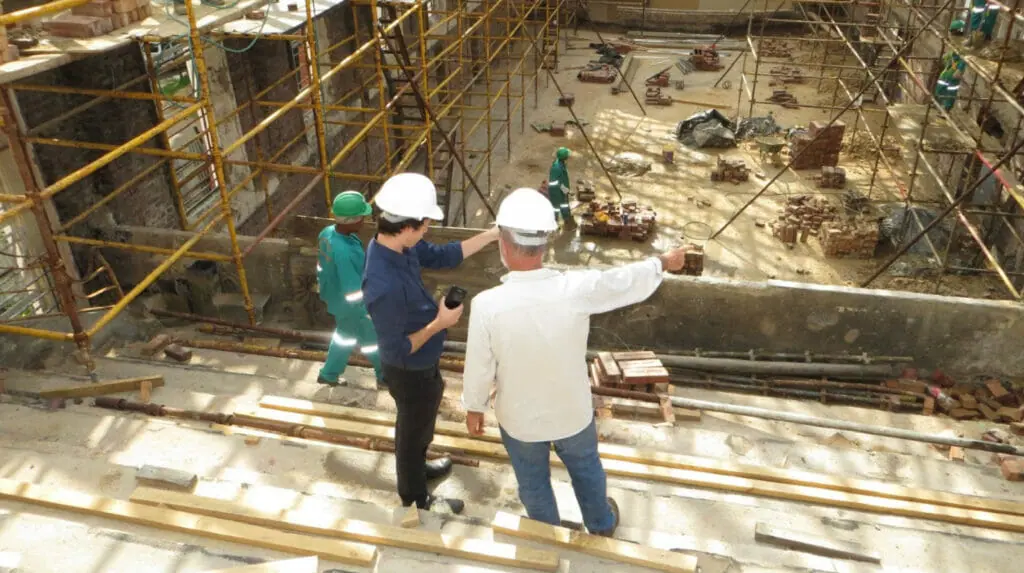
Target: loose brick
x: 121, y: 20
x: 658, y: 375
x: 123, y: 6
x: 1012, y: 468
x: 96, y: 8
x: 635, y: 355
x: 988, y: 412
x: 72, y: 26
x: 1017, y: 428
x: 929, y: 406
x: 609, y: 369
x: 963, y: 414
x: 969, y: 401
x: 1007, y: 414
x: 956, y: 453
x: 999, y: 393
x: 178, y: 352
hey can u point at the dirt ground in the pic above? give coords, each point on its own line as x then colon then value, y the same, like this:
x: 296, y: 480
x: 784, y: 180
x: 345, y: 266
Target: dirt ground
x: 690, y: 207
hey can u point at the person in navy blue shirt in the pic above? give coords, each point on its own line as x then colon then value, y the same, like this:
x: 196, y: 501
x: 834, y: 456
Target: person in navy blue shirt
x: 411, y: 325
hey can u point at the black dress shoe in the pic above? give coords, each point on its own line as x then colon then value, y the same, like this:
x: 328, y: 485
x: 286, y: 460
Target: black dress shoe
x: 439, y: 468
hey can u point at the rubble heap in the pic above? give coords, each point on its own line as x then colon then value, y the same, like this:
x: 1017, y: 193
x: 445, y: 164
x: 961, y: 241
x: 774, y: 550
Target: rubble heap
x: 810, y: 153
x: 803, y: 215
x: 625, y: 220
x: 855, y: 239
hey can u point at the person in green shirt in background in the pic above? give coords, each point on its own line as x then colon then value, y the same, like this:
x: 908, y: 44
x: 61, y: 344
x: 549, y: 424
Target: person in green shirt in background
x: 558, y: 187
x: 340, y: 263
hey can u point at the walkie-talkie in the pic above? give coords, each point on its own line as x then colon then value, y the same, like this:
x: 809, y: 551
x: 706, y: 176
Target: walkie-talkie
x: 454, y: 297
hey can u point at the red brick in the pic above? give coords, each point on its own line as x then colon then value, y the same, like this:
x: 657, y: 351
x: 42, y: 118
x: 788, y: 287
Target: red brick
x: 1007, y: 414
x: 96, y: 8
x: 929, y: 406
x: 72, y: 26
x: 996, y: 388
x: 608, y: 368
x: 123, y: 6
x: 988, y: 412
x: 969, y: 401
x: 1012, y: 468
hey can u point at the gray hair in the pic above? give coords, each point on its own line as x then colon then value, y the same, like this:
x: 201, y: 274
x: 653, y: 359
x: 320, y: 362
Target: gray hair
x: 347, y: 220
x: 526, y: 243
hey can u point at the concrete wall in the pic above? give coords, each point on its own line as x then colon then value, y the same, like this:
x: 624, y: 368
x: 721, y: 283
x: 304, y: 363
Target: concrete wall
x: 955, y: 334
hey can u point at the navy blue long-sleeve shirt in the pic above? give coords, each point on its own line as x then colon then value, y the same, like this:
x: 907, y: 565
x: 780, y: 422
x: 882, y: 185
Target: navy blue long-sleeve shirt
x: 399, y: 303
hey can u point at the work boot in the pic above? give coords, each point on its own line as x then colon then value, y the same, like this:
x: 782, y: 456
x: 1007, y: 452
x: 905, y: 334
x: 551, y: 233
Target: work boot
x: 440, y: 504
x: 615, y: 513
x: 326, y: 382
x: 439, y: 468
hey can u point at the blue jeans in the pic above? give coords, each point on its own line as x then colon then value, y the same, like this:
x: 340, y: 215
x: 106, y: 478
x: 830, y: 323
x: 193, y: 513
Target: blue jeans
x: 351, y: 330
x: 532, y: 463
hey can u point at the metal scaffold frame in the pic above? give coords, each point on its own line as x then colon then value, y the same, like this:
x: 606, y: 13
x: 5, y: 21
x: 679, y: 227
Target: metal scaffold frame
x: 929, y: 174
x: 437, y: 90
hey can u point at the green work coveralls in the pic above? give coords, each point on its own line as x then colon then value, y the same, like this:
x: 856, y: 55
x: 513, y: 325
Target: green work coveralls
x: 947, y: 88
x: 340, y: 264
x: 558, y: 188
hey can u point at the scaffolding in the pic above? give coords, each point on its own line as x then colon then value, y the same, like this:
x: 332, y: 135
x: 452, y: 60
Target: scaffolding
x: 431, y: 85
x: 878, y: 64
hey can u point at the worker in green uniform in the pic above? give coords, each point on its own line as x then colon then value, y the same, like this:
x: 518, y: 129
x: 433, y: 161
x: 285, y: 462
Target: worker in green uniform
x: 558, y: 187
x: 955, y: 60
x: 948, y: 87
x: 340, y: 264
x: 982, y: 22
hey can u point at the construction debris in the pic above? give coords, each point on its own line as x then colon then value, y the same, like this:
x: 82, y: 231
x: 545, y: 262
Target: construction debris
x: 629, y: 163
x: 785, y: 75
x: 785, y: 99
x: 775, y: 49
x: 566, y: 100
x: 802, y: 216
x: 730, y: 169
x: 626, y: 370
x: 817, y: 147
x: 832, y: 177
x: 854, y: 239
x: 653, y: 96
x: 685, y: 66
x: 585, y: 191
x: 625, y: 220
x: 705, y: 59
x: 167, y: 477
x: 599, y: 74
x: 706, y: 129
x: 659, y: 79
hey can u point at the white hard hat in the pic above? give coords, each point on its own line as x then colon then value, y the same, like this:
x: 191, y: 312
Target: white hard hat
x: 526, y: 209
x: 410, y: 196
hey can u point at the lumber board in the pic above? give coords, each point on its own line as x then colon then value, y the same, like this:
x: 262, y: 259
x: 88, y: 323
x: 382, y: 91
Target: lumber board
x: 300, y: 565
x: 604, y: 547
x: 348, y: 552
x: 816, y: 544
x: 681, y: 461
x: 319, y: 523
x: 101, y: 388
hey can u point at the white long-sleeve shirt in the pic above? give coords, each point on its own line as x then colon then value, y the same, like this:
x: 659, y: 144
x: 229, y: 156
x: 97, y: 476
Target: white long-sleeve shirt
x: 529, y: 337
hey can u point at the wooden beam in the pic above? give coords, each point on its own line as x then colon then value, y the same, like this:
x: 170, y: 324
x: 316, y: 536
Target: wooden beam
x: 300, y: 565
x: 101, y: 388
x: 808, y: 543
x: 358, y: 554
x: 692, y: 463
x: 319, y: 523
x: 691, y: 478
x: 604, y: 547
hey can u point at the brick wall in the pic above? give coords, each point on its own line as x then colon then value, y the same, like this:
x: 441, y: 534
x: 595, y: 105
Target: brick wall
x: 149, y: 203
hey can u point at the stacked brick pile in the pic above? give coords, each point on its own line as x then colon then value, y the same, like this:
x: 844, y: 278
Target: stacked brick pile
x: 802, y: 216
x: 810, y: 153
x: 98, y: 17
x: 625, y: 220
x: 856, y: 239
x: 993, y: 400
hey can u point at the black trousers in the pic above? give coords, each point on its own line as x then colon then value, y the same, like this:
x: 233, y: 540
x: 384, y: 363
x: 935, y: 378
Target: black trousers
x: 417, y: 394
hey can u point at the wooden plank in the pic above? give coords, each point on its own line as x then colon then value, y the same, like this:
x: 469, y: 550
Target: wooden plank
x: 817, y: 545
x: 300, y: 565
x: 604, y: 547
x: 319, y: 523
x: 635, y: 355
x: 698, y: 464
x: 359, y: 554
x: 609, y: 368
x: 645, y: 376
x: 101, y: 388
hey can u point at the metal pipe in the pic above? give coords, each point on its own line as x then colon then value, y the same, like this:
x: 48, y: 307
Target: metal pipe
x: 141, y: 248
x: 835, y: 424
x: 37, y: 11
x: 814, y: 370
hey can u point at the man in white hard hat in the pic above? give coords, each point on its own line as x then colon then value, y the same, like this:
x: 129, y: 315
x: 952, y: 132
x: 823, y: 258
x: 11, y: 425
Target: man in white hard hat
x: 528, y: 338
x: 411, y: 325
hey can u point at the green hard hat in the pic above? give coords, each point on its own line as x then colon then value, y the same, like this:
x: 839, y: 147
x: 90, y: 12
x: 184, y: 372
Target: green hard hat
x: 562, y: 153
x: 956, y: 26
x: 350, y: 204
